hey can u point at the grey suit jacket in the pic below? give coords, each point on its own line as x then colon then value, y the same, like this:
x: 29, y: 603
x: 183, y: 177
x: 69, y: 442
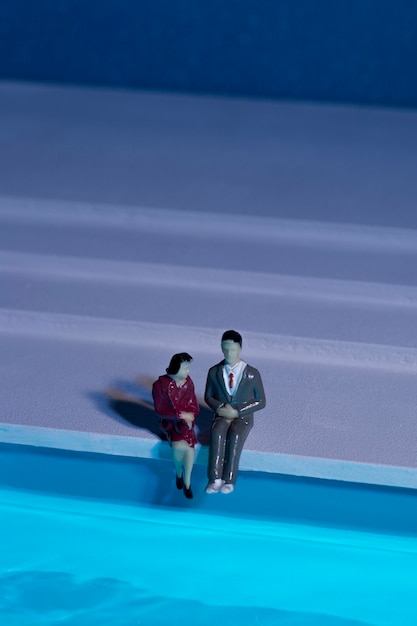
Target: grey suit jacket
x: 249, y: 397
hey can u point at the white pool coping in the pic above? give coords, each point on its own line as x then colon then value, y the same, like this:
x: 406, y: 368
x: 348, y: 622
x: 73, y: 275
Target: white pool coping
x: 138, y: 447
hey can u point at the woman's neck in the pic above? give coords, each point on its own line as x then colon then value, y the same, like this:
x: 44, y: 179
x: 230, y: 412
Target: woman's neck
x: 178, y: 381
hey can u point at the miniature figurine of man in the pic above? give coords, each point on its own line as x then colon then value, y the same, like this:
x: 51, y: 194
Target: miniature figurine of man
x: 234, y: 391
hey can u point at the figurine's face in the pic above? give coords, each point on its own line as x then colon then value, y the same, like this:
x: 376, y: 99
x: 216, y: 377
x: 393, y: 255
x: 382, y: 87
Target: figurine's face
x: 231, y: 351
x: 183, y: 371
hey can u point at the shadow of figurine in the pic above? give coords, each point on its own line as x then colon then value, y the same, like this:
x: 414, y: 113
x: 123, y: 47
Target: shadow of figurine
x: 132, y: 401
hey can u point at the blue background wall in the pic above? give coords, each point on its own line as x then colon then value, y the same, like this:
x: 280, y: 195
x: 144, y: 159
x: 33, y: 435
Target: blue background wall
x: 339, y: 50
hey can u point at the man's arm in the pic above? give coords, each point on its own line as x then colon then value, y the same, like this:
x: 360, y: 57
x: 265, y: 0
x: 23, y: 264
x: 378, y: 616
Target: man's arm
x: 211, y: 392
x: 257, y: 401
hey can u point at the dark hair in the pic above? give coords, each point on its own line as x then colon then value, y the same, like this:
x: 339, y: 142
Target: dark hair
x: 232, y: 335
x: 175, y: 363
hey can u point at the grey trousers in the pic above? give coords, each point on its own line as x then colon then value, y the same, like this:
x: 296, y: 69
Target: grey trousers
x: 226, y: 444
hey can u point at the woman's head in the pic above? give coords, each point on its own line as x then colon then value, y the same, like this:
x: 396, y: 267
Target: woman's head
x: 179, y: 364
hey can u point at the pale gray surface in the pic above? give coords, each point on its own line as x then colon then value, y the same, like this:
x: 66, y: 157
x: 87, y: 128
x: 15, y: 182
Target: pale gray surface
x: 320, y: 410
x: 302, y: 161
x: 94, y: 295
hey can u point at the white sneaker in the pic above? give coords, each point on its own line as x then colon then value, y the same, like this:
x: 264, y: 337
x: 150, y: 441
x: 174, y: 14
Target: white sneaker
x: 215, y: 486
x: 228, y: 488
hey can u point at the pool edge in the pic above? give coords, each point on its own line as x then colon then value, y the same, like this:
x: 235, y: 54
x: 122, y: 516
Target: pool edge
x: 150, y: 448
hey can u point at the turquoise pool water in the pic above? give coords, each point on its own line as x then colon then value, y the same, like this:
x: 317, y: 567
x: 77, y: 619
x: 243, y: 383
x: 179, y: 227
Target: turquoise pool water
x: 93, y: 539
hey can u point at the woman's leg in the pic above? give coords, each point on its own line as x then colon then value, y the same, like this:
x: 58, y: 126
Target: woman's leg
x: 188, y: 462
x: 178, y: 455
x: 183, y: 456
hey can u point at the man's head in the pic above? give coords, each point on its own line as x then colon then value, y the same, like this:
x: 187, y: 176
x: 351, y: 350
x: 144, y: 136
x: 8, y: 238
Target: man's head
x: 231, y: 346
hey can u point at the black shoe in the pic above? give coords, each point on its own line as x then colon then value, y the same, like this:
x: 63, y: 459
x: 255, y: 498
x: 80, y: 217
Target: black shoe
x: 188, y: 492
x: 179, y: 481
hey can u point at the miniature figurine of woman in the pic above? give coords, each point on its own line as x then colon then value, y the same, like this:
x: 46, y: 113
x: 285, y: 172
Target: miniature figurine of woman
x: 176, y: 403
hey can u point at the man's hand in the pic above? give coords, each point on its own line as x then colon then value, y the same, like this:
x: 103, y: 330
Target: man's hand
x: 187, y: 417
x: 228, y: 412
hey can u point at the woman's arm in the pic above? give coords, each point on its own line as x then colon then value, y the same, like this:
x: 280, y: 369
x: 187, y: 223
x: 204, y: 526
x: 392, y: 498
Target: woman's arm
x: 162, y: 403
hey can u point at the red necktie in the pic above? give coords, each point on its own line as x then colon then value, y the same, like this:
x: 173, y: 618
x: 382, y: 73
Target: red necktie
x: 231, y: 380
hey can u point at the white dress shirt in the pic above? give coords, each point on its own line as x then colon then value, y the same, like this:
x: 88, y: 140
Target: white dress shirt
x: 237, y: 371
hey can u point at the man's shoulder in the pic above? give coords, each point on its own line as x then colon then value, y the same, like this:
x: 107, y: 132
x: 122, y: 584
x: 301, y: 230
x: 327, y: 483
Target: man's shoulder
x: 251, y: 371
x: 216, y: 367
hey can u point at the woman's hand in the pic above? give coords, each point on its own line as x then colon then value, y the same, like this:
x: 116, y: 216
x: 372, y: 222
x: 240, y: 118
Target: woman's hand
x: 187, y: 417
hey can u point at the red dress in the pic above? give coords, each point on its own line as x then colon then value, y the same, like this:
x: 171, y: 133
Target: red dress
x: 169, y: 400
